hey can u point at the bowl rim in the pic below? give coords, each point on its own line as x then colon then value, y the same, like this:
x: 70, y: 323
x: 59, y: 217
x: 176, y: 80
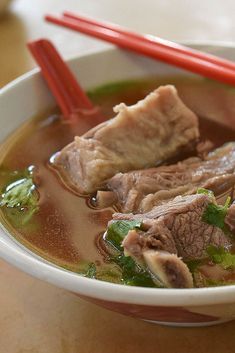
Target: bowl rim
x: 35, y: 265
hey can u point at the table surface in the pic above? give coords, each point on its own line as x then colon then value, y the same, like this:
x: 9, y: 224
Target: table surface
x: 37, y: 317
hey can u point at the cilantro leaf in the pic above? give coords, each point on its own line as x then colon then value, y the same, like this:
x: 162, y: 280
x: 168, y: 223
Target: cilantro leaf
x: 21, y: 194
x: 117, y: 231
x: 220, y: 256
x: 215, y: 215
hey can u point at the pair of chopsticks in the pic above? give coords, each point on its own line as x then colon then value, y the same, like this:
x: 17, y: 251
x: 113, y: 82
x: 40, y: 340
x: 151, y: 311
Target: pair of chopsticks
x: 181, y: 56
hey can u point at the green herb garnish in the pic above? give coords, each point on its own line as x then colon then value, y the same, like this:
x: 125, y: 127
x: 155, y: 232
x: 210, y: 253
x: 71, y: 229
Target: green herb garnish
x: 133, y: 274
x: 205, y: 192
x: 221, y: 256
x: 91, y: 271
x: 84, y: 268
x: 108, y: 272
x: 21, y: 194
x: 215, y: 214
x: 117, y: 231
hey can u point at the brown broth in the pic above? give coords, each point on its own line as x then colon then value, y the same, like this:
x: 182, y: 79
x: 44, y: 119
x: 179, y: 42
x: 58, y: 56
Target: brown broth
x: 65, y: 229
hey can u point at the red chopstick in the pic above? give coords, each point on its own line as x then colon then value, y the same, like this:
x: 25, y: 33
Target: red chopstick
x: 153, y: 39
x: 68, y: 93
x: 203, y: 64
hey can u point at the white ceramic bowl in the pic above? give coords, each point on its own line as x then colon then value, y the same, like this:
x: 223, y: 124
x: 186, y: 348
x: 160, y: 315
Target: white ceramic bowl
x: 28, y: 95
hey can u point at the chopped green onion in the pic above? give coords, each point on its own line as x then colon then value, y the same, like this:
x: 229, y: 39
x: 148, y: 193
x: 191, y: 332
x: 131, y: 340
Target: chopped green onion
x: 117, y: 231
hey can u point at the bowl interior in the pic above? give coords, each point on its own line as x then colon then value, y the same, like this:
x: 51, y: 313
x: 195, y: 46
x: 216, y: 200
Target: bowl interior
x: 28, y: 95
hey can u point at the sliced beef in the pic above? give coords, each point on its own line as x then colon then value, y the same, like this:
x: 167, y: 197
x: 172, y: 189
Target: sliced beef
x: 141, y: 190
x: 140, y: 136
x: 230, y: 218
x: 176, y: 228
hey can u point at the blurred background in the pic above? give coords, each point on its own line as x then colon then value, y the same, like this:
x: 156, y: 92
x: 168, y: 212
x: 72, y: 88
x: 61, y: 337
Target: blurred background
x: 37, y: 317
x: 177, y: 20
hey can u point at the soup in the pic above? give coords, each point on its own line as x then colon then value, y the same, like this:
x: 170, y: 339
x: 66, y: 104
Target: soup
x: 66, y: 228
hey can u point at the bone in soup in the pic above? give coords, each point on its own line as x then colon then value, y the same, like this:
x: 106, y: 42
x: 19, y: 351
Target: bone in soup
x: 165, y: 176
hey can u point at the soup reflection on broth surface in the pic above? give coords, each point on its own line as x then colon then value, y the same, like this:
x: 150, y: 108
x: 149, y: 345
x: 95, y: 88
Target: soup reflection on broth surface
x: 67, y: 229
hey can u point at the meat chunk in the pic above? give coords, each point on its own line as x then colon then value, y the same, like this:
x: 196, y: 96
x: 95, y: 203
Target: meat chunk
x: 140, y: 136
x: 174, y: 228
x: 177, y: 227
x: 141, y: 190
x: 170, y: 269
x: 230, y: 218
